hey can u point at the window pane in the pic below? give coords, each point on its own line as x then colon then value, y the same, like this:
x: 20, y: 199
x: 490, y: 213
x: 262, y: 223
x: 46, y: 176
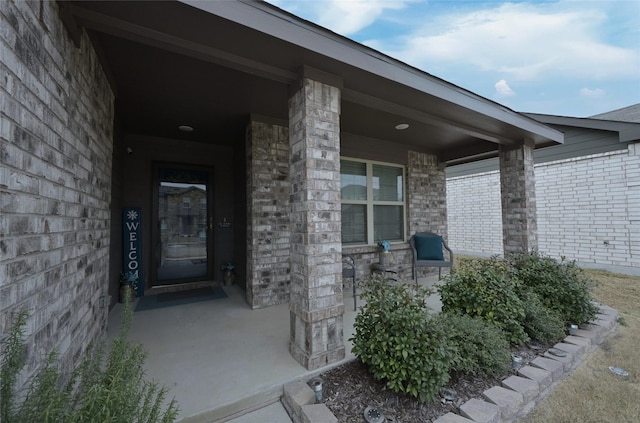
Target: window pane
x: 388, y: 223
x: 354, y: 223
x: 387, y: 183
x: 353, y: 180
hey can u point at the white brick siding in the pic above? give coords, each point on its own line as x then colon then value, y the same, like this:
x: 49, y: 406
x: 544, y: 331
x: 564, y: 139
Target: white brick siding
x: 475, y: 213
x: 588, y: 209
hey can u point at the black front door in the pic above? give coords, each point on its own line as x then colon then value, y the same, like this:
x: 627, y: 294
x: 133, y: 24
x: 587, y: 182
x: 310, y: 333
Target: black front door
x: 182, y: 212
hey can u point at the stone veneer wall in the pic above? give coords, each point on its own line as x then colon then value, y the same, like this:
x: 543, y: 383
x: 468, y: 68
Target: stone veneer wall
x: 55, y: 182
x: 427, y: 195
x: 268, y: 209
x: 588, y: 209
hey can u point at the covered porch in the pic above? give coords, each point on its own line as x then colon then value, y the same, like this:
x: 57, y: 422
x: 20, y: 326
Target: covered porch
x: 275, y: 106
x: 220, y: 358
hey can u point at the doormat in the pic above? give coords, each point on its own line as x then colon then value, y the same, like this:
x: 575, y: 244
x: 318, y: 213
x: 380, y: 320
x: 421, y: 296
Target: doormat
x: 169, y: 299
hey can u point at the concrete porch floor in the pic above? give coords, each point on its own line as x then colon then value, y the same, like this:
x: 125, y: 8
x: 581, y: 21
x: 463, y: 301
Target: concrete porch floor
x: 221, y: 359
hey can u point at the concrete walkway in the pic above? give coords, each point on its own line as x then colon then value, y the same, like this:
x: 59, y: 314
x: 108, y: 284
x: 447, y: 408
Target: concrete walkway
x: 221, y: 359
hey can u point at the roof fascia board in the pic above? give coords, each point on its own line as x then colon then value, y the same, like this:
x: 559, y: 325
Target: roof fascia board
x: 275, y: 22
x: 627, y: 131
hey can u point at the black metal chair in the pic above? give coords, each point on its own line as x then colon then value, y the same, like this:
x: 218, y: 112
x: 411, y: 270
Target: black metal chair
x: 429, y: 251
x: 349, y: 271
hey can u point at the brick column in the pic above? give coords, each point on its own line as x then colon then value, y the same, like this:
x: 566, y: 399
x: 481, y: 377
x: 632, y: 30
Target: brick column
x: 316, y: 304
x: 517, y: 185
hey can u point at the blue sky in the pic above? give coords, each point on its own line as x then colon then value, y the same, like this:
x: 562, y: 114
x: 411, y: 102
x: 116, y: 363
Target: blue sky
x: 568, y: 58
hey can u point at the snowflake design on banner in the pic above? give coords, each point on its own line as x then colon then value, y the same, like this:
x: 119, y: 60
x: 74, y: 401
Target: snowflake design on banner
x: 132, y: 215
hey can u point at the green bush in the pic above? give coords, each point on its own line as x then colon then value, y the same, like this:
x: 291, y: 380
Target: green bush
x: 399, y: 342
x: 103, y: 388
x: 540, y: 322
x: 485, y: 288
x: 480, y: 347
x: 560, y: 285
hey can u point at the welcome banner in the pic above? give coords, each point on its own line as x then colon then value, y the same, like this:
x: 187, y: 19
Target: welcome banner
x: 132, y: 240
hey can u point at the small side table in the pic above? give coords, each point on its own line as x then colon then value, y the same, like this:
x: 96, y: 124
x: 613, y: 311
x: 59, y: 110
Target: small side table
x: 389, y: 272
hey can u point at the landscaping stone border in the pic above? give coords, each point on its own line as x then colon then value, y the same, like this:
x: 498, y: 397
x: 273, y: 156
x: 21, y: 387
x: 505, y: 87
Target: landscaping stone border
x: 517, y: 397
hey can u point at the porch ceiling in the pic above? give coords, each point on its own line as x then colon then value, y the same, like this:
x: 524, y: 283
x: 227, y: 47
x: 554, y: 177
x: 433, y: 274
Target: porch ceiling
x: 176, y: 64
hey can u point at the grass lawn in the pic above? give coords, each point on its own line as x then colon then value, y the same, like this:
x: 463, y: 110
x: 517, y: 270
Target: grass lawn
x: 592, y: 393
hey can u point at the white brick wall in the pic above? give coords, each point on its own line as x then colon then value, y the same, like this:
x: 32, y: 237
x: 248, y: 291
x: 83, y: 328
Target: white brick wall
x: 588, y: 209
x: 474, y: 213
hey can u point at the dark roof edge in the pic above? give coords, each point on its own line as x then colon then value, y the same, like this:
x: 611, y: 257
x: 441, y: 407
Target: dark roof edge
x: 271, y: 20
x: 623, y: 114
x: 627, y: 131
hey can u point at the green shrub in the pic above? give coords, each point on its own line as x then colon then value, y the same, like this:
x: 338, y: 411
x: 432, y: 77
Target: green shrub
x: 480, y: 347
x: 486, y: 289
x: 540, y: 322
x: 561, y: 286
x: 103, y: 388
x: 399, y: 342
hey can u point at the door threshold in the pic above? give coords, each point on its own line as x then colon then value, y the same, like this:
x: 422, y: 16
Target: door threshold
x: 162, y: 289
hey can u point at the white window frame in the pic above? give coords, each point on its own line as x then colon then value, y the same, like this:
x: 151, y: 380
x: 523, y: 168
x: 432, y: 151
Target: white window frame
x: 370, y: 202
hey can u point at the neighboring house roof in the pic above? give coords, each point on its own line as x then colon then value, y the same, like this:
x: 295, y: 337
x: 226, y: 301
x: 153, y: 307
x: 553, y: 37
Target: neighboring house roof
x: 211, y: 64
x: 627, y: 131
x: 625, y: 114
x: 583, y: 137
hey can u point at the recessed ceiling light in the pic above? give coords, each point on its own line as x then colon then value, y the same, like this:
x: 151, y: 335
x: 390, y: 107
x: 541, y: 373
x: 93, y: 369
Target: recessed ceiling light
x: 185, y: 128
x: 402, y: 126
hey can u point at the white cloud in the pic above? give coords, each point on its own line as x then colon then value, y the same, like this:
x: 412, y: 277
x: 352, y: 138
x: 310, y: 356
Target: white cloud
x: 342, y: 16
x: 521, y: 41
x: 548, y: 50
x: 589, y: 93
x: 503, y: 89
